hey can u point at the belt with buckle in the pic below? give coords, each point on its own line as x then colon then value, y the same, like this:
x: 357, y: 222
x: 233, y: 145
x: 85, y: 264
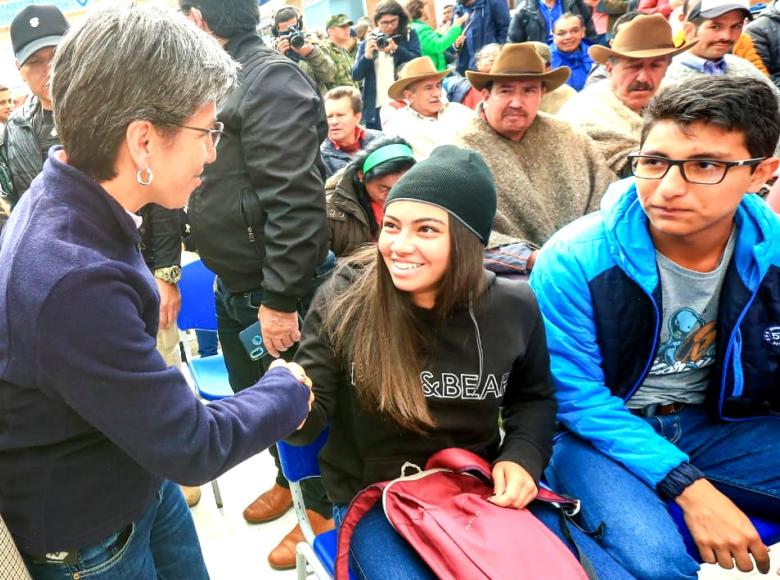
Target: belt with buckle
x: 655, y: 410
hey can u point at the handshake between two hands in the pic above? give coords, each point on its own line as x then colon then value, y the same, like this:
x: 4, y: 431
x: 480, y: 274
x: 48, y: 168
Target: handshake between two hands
x: 297, y: 371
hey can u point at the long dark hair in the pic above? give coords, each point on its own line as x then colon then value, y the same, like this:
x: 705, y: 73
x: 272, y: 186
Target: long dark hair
x: 374, y: 327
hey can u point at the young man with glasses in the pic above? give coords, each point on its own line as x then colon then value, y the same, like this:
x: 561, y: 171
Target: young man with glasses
x: 663, y: 322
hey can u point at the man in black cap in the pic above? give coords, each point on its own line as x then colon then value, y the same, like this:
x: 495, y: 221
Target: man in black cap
x: 35, y: 33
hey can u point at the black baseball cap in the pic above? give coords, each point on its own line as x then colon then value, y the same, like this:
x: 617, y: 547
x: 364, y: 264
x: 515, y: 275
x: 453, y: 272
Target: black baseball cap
x: 36, y: 27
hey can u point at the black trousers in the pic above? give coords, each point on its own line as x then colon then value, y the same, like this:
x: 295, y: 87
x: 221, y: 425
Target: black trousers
x: 235, y: 312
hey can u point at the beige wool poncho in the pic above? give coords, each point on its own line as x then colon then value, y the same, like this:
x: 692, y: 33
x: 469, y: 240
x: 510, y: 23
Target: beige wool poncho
x: 548, y: 179
x: 614, y: 128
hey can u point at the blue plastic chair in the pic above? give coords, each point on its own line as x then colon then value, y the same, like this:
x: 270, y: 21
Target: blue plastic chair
x: 318, y: 552
x: 198, y: 312
x: 768, y: 530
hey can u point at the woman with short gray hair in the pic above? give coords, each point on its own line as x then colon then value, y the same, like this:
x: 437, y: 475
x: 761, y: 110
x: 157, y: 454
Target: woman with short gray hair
x: 94, y: 427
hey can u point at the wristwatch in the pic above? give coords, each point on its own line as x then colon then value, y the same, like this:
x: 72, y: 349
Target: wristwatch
x: 170, y: 274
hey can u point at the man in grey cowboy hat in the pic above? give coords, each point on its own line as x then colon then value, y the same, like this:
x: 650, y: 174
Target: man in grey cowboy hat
x: 547, y: 173
x: 610, y: 112
x: 426, y: 121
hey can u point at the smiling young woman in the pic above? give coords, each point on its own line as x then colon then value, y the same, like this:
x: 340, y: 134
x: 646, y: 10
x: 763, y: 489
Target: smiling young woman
x: 414, y: 348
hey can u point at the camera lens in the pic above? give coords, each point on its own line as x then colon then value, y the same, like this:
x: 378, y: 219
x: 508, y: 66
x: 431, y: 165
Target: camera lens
x: 297, y: 40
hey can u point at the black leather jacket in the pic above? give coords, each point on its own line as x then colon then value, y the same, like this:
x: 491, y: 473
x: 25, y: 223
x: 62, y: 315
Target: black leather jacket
x: 23, y: 152
x: 161, y: 236
x: 258, y: 219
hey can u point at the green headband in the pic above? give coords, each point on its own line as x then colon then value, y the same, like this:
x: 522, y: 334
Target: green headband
x: 387, y: 153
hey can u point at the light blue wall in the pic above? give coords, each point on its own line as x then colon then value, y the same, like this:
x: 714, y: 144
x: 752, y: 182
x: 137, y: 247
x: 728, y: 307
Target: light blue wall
x: 317, y: 13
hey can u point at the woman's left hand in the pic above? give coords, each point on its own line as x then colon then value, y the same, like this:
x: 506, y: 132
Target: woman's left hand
x: 513, y: 486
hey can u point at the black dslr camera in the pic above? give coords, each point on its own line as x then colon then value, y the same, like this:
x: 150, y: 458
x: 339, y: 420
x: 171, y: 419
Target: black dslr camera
x: 381, y: 39
x: 294, y: 36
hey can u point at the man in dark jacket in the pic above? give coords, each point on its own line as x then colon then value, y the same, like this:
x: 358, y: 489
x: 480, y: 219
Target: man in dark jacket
x: 30, y: 132
x: 765, y: 32
x: 258, y: 219
x: 534, y: 20
x: 488, y: 23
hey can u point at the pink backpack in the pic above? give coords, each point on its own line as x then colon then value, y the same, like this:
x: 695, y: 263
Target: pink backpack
x: 444, y: 514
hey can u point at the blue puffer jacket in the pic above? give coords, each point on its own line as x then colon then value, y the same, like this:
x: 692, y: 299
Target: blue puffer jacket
x: 597, y: 285
x: 363, y: 70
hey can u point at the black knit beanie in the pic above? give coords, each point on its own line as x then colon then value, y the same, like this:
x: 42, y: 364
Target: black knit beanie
x: 456, y: 180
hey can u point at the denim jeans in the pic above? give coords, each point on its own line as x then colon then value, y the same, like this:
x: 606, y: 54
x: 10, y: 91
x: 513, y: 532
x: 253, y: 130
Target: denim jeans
x: 378, y: 551
x: 162, y: 543
x: 207, y: 342
x: 739, y: 458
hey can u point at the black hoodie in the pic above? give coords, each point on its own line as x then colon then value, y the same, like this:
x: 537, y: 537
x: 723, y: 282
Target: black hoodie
x: 489, y: 356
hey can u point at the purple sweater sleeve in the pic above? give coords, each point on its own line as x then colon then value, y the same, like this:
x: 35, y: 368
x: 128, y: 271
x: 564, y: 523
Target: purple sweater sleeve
x: 105, y: 368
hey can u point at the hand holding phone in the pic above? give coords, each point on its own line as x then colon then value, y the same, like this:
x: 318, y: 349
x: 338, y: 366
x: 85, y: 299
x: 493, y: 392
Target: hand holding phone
x: 280, y: 330
x: 253, y: 340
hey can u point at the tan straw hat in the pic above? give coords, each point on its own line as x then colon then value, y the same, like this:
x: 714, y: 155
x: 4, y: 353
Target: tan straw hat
x: 646, y: 36
x: 416, y: 69
x: 517, y: 62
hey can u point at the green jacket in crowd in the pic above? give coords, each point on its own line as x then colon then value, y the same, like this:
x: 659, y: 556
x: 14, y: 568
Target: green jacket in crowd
x: 434, y: 44
x: 342, y: 64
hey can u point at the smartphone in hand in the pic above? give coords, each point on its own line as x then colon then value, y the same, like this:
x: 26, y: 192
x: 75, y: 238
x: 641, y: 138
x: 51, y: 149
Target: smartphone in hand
x: 252, y: 340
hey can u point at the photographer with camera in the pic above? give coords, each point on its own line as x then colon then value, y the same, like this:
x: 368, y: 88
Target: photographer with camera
x: 296, y: 45
x: 383, y: 51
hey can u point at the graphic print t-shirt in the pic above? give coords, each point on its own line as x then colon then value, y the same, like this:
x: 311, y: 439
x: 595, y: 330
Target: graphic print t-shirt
x: 686, y: 353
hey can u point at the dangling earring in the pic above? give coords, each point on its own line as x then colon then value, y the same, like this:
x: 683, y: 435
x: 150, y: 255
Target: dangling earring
x: 144, y: 180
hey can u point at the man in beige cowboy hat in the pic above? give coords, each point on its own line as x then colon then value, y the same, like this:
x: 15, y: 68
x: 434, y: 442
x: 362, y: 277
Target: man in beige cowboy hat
x: 426, y: 121
x: 547, y: 174
x: 610, y: 112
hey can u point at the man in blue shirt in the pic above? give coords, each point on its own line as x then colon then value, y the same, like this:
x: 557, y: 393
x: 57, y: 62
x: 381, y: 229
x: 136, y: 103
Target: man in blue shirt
x: 534, y: 20
x: 570, y: 50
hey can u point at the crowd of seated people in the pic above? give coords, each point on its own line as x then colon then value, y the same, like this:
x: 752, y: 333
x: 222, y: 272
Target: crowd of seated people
x: 540, y: 236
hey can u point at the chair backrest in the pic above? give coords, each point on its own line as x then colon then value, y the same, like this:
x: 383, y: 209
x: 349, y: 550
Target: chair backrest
x: 197, y: 298
x: 301, y: 462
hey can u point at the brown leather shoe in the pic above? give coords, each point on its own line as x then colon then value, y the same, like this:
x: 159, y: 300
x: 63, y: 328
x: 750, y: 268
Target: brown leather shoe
x: 191, y: 495
x: 270, y: 505
x: 282, y: 557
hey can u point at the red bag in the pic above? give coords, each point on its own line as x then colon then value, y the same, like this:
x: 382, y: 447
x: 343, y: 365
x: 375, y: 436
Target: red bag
x: 444, y: 514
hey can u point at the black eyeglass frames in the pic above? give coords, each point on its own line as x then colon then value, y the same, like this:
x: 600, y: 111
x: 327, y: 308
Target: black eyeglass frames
x: 699, y: 171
